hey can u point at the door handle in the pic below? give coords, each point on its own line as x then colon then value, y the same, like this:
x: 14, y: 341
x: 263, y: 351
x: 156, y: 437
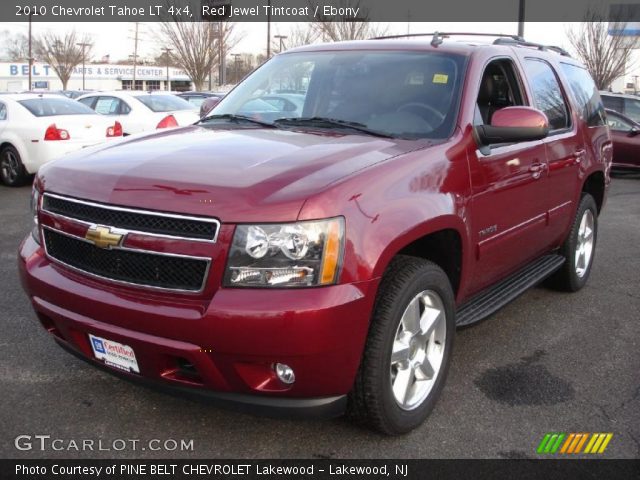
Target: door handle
x: 536, y: 169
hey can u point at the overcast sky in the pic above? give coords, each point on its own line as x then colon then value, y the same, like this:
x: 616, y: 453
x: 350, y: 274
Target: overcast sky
x: 116, y: 39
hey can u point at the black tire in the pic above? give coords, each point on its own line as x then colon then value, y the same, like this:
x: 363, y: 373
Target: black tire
x: 12, y: 171
x: 567, y: 278
x: 372, y: 401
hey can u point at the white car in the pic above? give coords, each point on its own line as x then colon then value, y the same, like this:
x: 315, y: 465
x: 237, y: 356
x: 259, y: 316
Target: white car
x: 140, y: 111
x: 35, y: 129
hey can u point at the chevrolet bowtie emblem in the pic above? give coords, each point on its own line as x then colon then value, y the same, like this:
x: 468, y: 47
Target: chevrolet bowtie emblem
x: 103, y: 237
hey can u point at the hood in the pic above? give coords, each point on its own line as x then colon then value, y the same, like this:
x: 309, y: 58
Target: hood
x: 240, y: 175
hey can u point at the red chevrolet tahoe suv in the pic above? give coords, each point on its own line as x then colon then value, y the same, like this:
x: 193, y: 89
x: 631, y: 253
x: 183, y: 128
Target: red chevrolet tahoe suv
x: 311, y: 246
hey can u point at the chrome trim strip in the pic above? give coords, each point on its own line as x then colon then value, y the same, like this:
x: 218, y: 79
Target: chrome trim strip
x: 134, y: 250
x: 141, y: 212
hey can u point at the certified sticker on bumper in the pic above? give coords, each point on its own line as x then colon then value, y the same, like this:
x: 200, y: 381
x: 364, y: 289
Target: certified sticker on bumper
x: 114, y: 354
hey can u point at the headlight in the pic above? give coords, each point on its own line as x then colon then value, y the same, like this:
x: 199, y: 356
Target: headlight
x: 302, y: 254
x: 35, y: 202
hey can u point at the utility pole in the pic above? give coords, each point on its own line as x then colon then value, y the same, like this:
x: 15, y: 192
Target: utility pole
x: 135, y: 56
x: 521, y: 8
x: 281, y: 38
x: 83, y: 45
x: 268, y: 29
x: 167, y: 53
x: 30, y: 59
x: 236, y: 57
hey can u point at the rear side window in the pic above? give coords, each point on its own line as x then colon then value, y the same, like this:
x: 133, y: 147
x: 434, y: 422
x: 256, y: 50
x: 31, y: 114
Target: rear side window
x: 87, y: 101
x: 632, y: 109
x: 164, y: 103
x: 3, y: 111
x: 108, y: 106
x: 587, y: 97
x: 49, y: 107
x: 614, y: 103
x: 547, y: 93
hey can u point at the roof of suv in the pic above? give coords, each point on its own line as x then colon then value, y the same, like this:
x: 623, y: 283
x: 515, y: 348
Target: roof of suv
x: 462, y: 44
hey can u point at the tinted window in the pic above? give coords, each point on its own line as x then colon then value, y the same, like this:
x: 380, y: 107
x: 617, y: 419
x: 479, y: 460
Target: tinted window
x: 587, y: 97
x: 3, y: 111
x: 407, y: 94
x: 48, y: 107
x: 547, y: 93
x: 632, y: 109
x: 614, y: 103
x: 87, y: 101
x: 164, y: 103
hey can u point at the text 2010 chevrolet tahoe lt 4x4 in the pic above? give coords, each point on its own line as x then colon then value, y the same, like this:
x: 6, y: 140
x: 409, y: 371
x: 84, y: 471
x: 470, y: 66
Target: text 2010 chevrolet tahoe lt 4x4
x: 312, y: 245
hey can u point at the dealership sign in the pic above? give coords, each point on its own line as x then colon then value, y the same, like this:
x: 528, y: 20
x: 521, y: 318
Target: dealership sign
x: 97, y: 71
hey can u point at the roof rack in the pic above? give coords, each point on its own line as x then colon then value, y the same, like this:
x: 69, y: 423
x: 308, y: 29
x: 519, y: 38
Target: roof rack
x: 517, y: 41
x: 503, y: 39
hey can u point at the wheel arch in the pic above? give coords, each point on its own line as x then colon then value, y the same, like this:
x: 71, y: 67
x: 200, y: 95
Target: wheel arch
x: 595, y: 185
x: 442, y: 241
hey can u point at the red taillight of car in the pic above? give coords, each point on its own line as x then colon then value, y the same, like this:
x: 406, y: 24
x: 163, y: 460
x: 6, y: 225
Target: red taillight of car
x: 55, y: 133
x: 115, y: 130
x: 167, y: 122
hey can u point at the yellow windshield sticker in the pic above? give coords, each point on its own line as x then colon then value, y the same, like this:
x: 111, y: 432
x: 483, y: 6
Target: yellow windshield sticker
x: 440, y: 78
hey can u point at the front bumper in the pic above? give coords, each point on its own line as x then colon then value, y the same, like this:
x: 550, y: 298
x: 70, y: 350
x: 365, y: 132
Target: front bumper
x: 229, y: 342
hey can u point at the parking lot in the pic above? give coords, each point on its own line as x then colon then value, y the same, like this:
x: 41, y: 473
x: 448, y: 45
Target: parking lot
x: 549, y: 362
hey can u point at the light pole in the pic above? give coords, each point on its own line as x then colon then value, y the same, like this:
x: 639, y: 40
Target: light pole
x: 268, y: 29
x: 281, y: 38
x: 167, y: 53
x: 83, y: 45
x: 30, y: 54
x: 236, y: 57
x: 521, y: 18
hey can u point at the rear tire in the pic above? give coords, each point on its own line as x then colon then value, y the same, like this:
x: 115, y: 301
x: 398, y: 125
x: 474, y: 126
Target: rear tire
x: 579, y: 248
x: 12, y: 171
x: 408, y: 349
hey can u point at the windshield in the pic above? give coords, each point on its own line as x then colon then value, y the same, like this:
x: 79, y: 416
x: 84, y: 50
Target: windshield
x: 164, y: 103
x: 400, y: 94
x: 51, y: 106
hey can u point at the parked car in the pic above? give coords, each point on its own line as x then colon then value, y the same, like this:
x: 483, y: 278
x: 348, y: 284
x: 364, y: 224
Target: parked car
x: 321, y: 263
x: 74, y: 94
x: 35, y: 129
x: 628, y: 105
x: 198, y: 98
x: 625, y: 134
x: 208, y: 103
x: 140, y: 111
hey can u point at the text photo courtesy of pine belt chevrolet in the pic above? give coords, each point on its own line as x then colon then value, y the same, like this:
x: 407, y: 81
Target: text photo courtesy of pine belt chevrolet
x: 35, y: 129
x: 317, y: 263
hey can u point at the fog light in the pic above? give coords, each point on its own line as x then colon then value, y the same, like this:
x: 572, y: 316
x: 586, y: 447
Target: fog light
x: 285, y: 373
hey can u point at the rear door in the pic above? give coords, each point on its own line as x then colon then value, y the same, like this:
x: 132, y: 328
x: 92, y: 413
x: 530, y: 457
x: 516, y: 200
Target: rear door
x: 509, y: 184
x: 565, y: 145
x: 626, y: 141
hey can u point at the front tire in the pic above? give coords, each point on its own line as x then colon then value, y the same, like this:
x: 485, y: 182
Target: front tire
x: 579, y: 248
x: 12, y: 171
x: 408, y: 349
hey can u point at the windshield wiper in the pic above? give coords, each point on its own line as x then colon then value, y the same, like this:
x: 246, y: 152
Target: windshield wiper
x: 237, y: 119
x: 324, y: 122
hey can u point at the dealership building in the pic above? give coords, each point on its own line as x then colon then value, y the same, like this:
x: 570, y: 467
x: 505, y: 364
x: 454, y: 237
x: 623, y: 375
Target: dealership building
x: 14, y: 77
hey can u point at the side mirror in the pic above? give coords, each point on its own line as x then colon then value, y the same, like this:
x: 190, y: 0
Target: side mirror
x: 634, y: 131
x: 208, y: 105
x: 514, y: 124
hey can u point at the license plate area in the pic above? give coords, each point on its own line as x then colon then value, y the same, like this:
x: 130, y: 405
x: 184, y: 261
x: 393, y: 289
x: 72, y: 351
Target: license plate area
x: 114, y: 354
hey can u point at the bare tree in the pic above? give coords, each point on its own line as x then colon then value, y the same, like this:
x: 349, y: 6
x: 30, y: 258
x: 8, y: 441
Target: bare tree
x: 607, y: 57
x: 16, y: 46
x: 62, y: 52
x: 336, y: 29
x: 196, y: 46
x: 301, y: 34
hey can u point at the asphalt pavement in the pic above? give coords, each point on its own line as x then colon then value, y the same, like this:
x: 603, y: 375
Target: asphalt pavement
x: 548, y: 362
